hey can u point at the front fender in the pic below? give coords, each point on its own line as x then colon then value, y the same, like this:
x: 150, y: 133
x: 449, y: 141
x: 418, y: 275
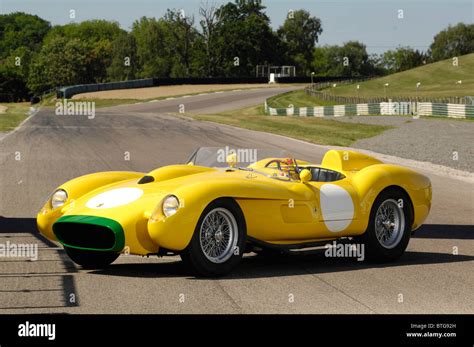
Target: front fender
x: 76, y: 188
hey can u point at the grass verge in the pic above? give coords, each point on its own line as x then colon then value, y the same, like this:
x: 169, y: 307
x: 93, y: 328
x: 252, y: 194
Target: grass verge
x: 14, y: 115
x: 297, y: 98
x: 437, y: 80
x: 316, y: 130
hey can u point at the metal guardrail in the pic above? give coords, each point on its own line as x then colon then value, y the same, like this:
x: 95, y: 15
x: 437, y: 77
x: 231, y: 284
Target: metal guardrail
x: 67, y: 92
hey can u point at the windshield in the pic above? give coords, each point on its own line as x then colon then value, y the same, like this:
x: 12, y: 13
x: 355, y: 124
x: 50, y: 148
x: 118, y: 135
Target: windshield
x: 217, y: 156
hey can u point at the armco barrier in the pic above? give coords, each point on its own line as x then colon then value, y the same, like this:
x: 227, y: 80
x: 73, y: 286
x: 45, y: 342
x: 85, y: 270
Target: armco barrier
x: 67, y: 92
x: 383, y: 108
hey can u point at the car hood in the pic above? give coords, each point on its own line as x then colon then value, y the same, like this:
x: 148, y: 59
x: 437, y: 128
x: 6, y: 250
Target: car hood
x: 133, y: 196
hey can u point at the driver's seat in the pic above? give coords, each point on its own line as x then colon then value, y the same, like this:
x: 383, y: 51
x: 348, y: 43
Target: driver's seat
x: 325, y: 175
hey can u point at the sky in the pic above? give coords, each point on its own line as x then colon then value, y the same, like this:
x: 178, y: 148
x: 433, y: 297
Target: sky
x: 376, y: 23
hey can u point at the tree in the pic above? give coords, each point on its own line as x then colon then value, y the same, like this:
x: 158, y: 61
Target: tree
x: 182, y: 40
x: 300, y: 34
x: 21, y: 35
x: 453, y: 41
x: 91, y: 31
x: 324, y: 61
x: 349, y: 60
x: 355, y: 59
x: 245, y: 39
x: 124, y: 64
x: 61, y: 62
x: 153, y: 51
x: 402, y: 58
x: 21, y: 30
x: 96, y: 34
x: 14, y: 74
x: 210, y: 22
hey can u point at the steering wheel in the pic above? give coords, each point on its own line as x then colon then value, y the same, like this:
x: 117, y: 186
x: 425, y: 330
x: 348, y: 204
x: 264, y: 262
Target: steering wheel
x: 277, y: 161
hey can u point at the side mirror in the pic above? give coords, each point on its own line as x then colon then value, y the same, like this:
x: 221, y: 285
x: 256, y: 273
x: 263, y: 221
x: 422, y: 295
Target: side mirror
x: 305, y: 175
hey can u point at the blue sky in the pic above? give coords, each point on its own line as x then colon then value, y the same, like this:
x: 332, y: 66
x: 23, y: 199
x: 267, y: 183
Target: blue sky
x: 373, y: 22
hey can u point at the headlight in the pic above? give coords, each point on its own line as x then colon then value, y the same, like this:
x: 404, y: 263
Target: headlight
x: 170, y: 205
x: 58, y: 198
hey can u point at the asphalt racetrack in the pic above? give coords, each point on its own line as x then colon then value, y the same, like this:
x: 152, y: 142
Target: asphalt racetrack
x: 434, y: 276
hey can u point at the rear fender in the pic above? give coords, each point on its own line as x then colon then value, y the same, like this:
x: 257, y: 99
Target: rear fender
x: 372, y: 180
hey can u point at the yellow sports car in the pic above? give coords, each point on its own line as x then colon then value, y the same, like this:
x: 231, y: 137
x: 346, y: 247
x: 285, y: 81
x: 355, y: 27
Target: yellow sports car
x: 223, y: 203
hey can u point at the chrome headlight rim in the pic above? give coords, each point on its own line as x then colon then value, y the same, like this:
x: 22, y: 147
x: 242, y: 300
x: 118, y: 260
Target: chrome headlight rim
x: 58, y: 198
x: 170, y: 205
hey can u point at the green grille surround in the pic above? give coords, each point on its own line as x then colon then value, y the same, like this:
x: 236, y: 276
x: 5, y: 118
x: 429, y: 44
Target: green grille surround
x: 103, y: 234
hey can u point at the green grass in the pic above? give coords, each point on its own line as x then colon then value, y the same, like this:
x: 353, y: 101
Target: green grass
x: 315, y: 130
x: 15, y: 114
x: 297, y: 98
x: 99, y: 103
x: 437, y: 80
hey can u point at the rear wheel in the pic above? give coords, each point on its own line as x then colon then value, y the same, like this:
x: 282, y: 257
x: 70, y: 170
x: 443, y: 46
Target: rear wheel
x: 389, y: 229
x: 218, y: 240
x: 91, y: 259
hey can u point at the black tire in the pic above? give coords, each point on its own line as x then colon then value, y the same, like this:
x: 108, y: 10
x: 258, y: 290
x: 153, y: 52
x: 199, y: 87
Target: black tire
x: 91, y: 259
x: 194, y: 256
x: 374, y: 250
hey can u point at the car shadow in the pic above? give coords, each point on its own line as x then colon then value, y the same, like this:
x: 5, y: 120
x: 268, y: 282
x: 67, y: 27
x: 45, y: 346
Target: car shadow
x: 445, y: 231
x: 17, y: 225
x: 11, y: 230
x: 256, y: 266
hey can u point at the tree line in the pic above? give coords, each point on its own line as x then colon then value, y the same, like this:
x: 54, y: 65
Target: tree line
x: 224, y: 41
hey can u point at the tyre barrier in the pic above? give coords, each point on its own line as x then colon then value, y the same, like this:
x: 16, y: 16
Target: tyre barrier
x: 383, y: 108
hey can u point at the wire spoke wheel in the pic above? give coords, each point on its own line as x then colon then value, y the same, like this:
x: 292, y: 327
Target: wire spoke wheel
x: 218, y: 235
x: 389, y: 223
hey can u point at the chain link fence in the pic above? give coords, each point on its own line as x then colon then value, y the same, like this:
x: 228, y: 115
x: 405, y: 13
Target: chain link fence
x: 319, y: 90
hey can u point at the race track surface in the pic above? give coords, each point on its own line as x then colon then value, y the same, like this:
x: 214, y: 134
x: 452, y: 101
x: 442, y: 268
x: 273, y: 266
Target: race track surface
x: 48, y: 150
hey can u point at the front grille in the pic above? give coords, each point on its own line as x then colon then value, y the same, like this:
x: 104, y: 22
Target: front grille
x: 84, y: 235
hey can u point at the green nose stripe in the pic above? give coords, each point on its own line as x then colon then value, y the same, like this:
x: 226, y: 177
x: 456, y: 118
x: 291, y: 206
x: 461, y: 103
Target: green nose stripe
x: 90, y: 233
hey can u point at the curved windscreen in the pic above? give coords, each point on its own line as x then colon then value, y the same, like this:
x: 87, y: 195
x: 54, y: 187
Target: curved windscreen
x: 217, y: 156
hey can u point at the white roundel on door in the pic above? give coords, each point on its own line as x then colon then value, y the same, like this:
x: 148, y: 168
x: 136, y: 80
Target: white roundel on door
x: 337, y: 208
x: 114, y: 198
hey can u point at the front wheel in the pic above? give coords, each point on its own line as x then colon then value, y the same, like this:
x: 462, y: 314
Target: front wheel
x: 389, y: 229
x: 218, y: 240
x: 91, y: 259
